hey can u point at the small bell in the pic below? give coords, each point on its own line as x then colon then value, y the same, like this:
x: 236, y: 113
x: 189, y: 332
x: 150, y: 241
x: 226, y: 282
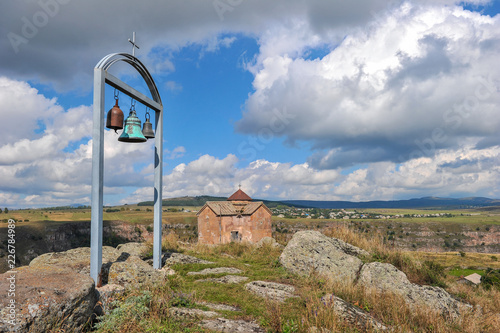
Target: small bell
x: 132, y: 131
x: 147, y: 128
x: 114, y: 118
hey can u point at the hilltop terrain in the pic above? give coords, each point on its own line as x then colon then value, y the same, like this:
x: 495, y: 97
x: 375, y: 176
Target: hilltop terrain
x: 338, y: 281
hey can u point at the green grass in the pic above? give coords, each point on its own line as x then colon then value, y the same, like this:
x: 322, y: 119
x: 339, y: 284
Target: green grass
x: 464, y: 272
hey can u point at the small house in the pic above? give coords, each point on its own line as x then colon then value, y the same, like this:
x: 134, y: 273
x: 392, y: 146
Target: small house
x: 239, y: 219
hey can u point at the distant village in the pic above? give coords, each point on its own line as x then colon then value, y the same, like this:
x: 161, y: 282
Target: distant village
x: 334, y: 214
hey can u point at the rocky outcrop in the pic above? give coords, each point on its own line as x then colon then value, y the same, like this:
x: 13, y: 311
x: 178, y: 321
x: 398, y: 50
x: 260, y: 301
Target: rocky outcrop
x: 271, y: 290
x: 227, y: 279
x: 107, y: 295
x: 48, y: 299
x: 337, y: 260
x: 140, y: 250
x: 78, y: 260
x: 310, y: 251
x: 191, y: 313
x: 220, y: 307
x: 34, y: 239
x: 231, y: 326
x: 387, y: 278
x: 179, y: 258
x: 217, y: 270
x: 133, y: 271
x: 352, y: 314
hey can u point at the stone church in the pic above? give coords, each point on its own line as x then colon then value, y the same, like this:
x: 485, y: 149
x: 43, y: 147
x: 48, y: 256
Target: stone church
x: 239, y: 219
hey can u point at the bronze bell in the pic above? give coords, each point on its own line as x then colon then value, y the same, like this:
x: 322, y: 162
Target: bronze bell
x: 114, y: 119
x: 132, y: 131
x: 147, y: 128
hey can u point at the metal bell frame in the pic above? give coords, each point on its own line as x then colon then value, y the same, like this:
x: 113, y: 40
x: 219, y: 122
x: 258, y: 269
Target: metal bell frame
x: 101, y: 78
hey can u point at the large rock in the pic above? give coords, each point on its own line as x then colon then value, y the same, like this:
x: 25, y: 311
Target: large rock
x: 191, y: 313
x: 387, y: 278
x: 217, y: 270
x: 140, y: 250
x: 271, y: 290
x: 78, y: 260
x: 48, y: 299
x: 226, y: 279
x: 220, y: 307
x: 231, y: 326
x: 133, y: 271
x: 179, y: 258
x: 353, y: 315
x: 310, y: 251
x: 108, y: 294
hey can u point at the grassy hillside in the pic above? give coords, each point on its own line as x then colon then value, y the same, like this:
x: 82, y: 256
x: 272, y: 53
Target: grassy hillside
x: 146, y: 309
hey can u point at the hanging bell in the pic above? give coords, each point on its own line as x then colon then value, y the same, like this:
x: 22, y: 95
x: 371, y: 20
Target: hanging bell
x: 132, y: 131
x: 147, y: 128
x: 114, y: 119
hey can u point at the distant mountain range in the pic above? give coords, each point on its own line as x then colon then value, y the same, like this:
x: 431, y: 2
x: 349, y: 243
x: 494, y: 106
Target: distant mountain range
x: 426, y: 202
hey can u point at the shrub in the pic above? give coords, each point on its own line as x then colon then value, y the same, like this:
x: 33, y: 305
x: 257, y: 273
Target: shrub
x: 170, y: 242
x: 131, y: 310
x: 183, y: 300
x: 491, y: 279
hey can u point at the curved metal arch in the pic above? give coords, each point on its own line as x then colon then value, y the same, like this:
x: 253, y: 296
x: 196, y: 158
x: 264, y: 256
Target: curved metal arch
x: 109, y: 60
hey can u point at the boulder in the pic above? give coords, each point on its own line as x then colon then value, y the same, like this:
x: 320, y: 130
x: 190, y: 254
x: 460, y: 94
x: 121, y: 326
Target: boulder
x: 48, y: 299
x: 133, y: 271
x: 231, y: 326
x: 220, y: 307
x: 387, y: 278
x: 191, y: 313
x: 352, y: 314
x: 217, y: 270
x: 107, y: 295
x: 78, y: 260
x: 310, y: 251
x: 140, y: 250
x: 179, y: 258
x: 271, y: 290
x: 227, y: 279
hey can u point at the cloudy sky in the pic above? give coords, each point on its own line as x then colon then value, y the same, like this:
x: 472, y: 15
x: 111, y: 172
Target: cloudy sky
x: 322, y: 100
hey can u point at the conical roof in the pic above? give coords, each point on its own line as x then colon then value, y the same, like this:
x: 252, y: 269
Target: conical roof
x: 239, y: 196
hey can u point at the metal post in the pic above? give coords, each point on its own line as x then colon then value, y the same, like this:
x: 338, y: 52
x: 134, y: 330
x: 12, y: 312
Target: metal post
x: 158, y: 181
x: 97, y: 177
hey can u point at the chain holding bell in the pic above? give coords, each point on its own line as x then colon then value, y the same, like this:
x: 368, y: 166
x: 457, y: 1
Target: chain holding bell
x: 132, y: 131
x: 147, y: 128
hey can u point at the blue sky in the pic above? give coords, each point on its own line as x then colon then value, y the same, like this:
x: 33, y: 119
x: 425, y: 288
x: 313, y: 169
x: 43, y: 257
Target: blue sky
x: 373, y: 100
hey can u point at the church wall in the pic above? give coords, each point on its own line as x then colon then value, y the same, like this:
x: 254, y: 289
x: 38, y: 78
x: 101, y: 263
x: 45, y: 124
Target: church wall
x: 249, y: 228
x: 208, y: 227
